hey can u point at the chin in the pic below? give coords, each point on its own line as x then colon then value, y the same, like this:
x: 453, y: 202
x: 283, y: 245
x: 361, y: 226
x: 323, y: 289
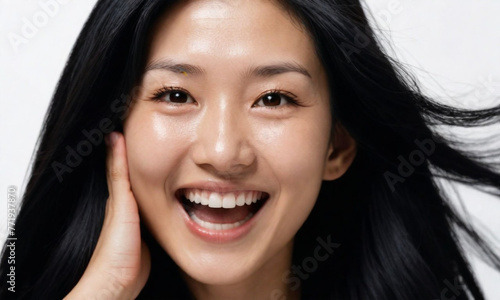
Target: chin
x: 214, y: 269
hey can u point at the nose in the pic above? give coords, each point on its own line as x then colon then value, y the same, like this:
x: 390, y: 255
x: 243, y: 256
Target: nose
x: 222, y: 145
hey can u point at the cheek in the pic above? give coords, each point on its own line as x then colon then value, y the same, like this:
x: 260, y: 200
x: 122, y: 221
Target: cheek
x: 153, y: 148
x: 295, y: 150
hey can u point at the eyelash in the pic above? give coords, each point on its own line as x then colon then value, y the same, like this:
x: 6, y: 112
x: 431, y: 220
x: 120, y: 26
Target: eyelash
x: 289, y: 97
x: 159, y: 94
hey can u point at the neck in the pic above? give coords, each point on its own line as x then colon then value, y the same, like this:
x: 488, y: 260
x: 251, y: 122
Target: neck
x: 268, y: 282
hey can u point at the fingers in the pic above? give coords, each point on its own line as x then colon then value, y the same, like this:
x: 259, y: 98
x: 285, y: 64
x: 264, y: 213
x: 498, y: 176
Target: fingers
x: 121, y: 199
x: 117, y: 168
x: 120, y: 264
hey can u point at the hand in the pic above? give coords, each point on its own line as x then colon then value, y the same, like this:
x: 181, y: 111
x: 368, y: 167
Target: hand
x: 120, y: 264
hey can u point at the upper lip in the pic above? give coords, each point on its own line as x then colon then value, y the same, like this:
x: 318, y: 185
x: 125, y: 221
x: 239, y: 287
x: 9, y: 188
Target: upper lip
x: 219, y: 187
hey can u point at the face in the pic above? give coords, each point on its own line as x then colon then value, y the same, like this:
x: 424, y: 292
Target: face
x: 233, y: 107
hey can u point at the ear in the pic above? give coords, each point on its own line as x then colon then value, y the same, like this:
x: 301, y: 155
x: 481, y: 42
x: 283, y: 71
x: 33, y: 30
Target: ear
x: 341, y: 153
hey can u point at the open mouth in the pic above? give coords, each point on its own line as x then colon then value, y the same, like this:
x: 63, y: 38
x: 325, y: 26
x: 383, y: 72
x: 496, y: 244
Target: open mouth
x: 221, y: 211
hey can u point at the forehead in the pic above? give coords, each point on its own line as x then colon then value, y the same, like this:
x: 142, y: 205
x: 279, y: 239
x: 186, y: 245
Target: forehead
x: 239, y: 33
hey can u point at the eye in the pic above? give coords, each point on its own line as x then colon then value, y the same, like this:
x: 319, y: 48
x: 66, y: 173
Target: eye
x: 172, y: 95
x: 275, y: 99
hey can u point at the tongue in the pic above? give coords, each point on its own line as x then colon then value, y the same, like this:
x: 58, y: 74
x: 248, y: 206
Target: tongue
x: 221, y: 215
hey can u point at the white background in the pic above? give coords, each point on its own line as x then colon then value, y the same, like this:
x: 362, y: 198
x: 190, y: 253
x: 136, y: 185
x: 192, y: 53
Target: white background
x: 451, y: 45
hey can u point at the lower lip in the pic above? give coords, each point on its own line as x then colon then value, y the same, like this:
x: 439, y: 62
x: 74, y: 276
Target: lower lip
x: 219, y: 236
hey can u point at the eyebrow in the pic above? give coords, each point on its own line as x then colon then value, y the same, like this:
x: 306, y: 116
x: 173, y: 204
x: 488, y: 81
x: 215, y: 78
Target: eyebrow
x: 257, y: 71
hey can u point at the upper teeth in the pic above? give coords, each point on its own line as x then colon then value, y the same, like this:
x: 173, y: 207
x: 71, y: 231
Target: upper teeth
x: 226, y: 200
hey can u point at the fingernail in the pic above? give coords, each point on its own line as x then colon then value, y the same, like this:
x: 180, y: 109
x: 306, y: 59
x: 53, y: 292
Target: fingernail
x: 113, y: 137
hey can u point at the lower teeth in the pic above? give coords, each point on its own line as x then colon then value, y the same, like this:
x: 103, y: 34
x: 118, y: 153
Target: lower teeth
x: 215, y: 226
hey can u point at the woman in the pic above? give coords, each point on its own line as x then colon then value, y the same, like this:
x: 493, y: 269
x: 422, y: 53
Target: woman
x: 258, y: 150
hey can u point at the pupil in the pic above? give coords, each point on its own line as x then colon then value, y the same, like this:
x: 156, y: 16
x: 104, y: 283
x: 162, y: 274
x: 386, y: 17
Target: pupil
x: 272, y: 99
x: 178, y: 97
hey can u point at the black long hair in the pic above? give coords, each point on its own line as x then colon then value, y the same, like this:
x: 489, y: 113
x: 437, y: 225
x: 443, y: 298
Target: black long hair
x: 393, y: 227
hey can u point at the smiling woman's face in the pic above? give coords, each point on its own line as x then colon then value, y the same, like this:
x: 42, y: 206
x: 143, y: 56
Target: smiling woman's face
x: 216, y: 116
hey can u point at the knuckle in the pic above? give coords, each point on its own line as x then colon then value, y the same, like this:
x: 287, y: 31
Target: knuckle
x: 115, y: 174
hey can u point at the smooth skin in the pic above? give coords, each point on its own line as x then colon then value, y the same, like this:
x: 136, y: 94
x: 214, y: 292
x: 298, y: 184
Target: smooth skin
x: 220, y: 130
